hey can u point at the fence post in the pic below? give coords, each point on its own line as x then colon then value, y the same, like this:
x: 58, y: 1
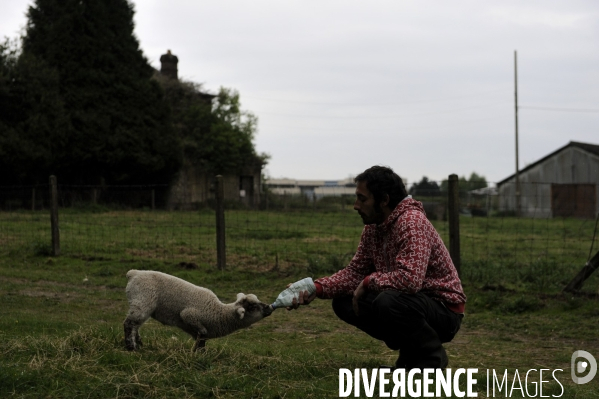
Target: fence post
x: 153, y: 199
x: 221, y: 259
x: 453, y: 205
x: 54, y: 216
x: 33, y: 199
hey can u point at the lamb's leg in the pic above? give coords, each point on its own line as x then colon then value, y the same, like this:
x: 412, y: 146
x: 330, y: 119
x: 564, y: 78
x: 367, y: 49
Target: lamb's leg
x: 138, y: 339
x: 135, y: 318
x: 131, y: 333
x: 192, y: 317
x: 200, y: 344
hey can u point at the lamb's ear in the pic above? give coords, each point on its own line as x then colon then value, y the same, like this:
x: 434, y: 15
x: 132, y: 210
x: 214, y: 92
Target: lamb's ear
x: 241, y: 313
x: 240, y: 296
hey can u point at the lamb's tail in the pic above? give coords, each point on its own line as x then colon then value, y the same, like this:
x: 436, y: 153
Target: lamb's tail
x: 131, y: 273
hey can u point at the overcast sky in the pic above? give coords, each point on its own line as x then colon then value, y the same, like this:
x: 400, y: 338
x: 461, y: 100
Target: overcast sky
x: 426, y: 87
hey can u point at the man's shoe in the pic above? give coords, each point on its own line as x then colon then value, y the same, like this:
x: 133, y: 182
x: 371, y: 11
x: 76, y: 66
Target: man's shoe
x: 401, y: 363
x: 428, y: 350
x: 444, y: 359
x: 405, y: 359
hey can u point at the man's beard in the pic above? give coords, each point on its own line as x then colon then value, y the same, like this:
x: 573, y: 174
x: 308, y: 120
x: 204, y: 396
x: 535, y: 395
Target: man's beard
x: 377, y: 218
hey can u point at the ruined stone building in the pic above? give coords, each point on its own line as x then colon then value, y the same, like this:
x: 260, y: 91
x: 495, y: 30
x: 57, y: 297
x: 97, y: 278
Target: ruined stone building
x: 195, y: 186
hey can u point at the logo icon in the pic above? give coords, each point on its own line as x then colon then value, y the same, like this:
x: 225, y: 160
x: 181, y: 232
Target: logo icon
x: 581, y: 366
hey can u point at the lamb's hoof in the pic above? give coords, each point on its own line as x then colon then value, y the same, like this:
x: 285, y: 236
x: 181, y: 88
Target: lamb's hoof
x: 199, y: 346
x: 130, y: 346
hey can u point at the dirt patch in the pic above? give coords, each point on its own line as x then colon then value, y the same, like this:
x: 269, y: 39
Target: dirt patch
x: 44, y: 287
x: 185, y: 253
x: 44, y: 294
x: 57, y: 296
x: 16, y: 280
x: 260, y: 265
x: 7, y: 240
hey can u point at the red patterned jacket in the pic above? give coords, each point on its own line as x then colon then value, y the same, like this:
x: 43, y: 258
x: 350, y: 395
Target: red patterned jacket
x: 404, y: 253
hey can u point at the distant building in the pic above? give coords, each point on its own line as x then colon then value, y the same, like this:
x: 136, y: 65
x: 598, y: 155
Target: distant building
x: 194, y: 187
x: 168, y: 65
x: 564, y: 183
x: 169, y: 69
x: 313, y: 189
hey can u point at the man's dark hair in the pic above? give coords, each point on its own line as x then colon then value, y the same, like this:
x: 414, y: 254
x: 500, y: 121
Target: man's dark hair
x: 381, y: 180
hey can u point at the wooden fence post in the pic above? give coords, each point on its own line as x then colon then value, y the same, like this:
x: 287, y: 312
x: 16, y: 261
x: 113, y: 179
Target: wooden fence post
x: 453, y: 205
x: 54, y: 216
x: 153, y: 199
x: 221, y: 259
x: 33, y: 199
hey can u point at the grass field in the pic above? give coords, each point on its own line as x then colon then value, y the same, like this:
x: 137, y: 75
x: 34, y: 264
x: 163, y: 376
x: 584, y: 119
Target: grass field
x: 61, y: 317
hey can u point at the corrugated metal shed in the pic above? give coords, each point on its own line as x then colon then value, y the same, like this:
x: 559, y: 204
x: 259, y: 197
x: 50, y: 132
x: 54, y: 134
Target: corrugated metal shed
x: 563, y: 183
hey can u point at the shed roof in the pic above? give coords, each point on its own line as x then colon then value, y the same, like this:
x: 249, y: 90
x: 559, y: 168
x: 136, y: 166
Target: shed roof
x: 592, y: 148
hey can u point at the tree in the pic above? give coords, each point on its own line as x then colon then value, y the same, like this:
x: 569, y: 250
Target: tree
x: 425, y: 188
x: 216, y: 134
x: 78, y: 100
x: 474, y: 182
x: 33, y: 123
x: 110, y: 122
x: 232, y: 132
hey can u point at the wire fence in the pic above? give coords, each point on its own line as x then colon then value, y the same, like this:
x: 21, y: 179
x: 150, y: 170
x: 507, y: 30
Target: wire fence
x: 124, y: 223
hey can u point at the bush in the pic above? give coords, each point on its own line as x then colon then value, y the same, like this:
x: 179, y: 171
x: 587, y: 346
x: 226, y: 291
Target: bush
x: 42, y: 249
x: 521, y: 304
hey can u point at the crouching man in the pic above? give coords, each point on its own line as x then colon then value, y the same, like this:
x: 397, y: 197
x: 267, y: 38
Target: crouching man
x: 401, y: 286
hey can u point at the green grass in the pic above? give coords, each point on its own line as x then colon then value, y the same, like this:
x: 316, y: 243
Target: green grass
x: 61, y: 318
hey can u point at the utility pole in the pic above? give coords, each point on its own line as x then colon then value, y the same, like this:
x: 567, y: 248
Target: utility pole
x: 453, y: 205
x: 516, y: 115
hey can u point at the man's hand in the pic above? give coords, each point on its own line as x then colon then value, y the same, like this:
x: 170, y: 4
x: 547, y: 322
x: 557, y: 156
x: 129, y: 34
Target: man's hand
x: 304, y: 299
x: 358, y: 293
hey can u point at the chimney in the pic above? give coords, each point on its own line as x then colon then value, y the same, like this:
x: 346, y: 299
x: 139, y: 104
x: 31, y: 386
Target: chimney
x: 168, y: 65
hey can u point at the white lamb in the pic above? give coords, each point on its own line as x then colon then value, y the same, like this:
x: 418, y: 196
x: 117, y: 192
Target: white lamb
x: 195, y: 310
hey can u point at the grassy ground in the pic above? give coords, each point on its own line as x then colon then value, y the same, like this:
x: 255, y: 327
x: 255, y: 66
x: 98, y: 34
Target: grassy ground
x: 61, y: 318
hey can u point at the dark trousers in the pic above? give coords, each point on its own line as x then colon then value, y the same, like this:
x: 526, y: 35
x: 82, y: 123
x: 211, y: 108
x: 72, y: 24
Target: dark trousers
x: 400, y: 320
